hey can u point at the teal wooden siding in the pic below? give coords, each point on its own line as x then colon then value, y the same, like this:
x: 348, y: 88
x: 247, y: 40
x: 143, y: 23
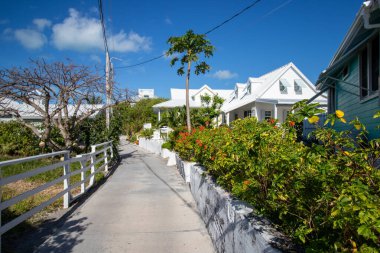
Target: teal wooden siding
x: 353, y: 106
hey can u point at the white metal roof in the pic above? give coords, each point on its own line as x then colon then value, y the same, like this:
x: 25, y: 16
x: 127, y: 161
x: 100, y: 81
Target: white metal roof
x: 29, y: 112
x: 261, y: 84
x: 178, y: 97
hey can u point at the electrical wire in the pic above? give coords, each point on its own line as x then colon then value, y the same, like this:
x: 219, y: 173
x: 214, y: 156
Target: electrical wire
x: 208, y: 32
x: 101, y: 16
x: 234, y: 16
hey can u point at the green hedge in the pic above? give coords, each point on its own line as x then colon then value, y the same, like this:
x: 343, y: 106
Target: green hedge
x: 17, y: 140
x: 326, y: 196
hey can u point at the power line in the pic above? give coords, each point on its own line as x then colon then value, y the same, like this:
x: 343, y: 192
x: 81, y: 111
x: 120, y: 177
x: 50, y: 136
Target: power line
x: 234, y: 16
x: 208, y: 32
x: 101, y: 16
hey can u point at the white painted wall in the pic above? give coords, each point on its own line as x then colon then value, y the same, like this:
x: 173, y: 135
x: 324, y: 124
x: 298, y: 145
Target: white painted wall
x: 146, y: 93
x: 290, y: 75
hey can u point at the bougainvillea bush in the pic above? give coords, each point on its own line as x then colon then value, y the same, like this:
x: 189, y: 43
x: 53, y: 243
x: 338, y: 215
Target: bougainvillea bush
x: 326, y: 196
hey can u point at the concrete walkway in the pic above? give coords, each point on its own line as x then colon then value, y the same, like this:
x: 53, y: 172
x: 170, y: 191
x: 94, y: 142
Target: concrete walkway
x: 144, y: 207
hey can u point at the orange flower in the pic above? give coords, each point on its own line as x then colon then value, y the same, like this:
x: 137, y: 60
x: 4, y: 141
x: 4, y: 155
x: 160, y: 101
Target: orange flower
x: 212, y: 158
x: 246, y: 182
x: 292, y: 123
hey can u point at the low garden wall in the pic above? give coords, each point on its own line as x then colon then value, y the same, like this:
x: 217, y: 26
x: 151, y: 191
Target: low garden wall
x: 151, y: 145
x: 231, y: 223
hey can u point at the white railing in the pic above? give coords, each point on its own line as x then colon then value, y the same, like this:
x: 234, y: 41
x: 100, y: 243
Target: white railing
x: 103, y: 153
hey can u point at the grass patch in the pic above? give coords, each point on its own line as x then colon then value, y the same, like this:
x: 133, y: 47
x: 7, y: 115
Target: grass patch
x: 16, y: 188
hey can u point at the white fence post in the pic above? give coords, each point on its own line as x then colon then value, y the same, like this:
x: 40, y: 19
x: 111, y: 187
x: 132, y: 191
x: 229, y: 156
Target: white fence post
x: 82, y: 174
x: 66, y: 181
x: 93, y: 159
x: 111, y: 149
x: 105, y: 159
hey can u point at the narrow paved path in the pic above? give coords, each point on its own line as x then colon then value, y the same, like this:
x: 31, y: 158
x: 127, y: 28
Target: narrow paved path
x: 144, y: 207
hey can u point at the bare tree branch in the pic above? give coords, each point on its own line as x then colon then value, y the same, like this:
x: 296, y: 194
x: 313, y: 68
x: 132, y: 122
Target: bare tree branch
x: 60, y: 94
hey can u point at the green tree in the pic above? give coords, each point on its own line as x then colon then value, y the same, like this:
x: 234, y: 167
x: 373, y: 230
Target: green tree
x: 133, y: 116
x: 190, y: 46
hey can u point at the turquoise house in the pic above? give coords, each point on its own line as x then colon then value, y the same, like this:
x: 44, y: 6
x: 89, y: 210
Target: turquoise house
x: 352, y: 77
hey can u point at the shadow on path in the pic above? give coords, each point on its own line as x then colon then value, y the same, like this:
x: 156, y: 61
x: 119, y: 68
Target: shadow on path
x: 30, y: 240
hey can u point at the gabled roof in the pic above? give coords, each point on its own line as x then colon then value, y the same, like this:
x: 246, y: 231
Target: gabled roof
x: 178, y: 97
x: 260, y: 86
x: 176, y: 94
x: 205, y: 87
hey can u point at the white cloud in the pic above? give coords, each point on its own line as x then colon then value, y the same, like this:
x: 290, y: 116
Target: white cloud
x: 30, y: 38
x: 83, y: 33
x: 224, y: 74
x: 41, y: 23
x: 131, y: 42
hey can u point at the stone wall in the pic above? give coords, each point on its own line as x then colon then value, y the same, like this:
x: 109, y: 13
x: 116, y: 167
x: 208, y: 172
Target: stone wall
x: 231, y: 224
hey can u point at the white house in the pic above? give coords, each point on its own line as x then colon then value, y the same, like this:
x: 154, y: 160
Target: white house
x: 30, y: 114
x: 146, y: 93
x: 178, y: 98
x: 270, y: 95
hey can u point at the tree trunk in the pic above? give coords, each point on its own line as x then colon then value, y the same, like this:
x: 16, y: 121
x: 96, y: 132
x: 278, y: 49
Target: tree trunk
x: 188, y: 122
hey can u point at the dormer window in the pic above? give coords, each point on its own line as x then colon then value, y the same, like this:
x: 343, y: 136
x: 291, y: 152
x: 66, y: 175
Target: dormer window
x: 297, y: 89
x: 236, y: 92
x: 284, y: 86
x: 249, y: 89
x: 298, y: 85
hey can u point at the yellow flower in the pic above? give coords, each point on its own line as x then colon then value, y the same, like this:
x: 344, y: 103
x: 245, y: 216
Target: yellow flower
x: 357, y: 126
x: 343, y: 120
x: 339, y: 113
x: 314, y: 119
x: 346, y: 153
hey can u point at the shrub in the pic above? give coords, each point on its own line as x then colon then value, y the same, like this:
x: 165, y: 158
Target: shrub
x: 167, y: 145
x: 18, y: 140
x: 147, y: 133
x: 325, y: 196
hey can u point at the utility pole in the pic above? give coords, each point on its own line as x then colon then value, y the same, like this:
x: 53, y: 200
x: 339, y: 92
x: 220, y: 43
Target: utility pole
x: 108, y: 90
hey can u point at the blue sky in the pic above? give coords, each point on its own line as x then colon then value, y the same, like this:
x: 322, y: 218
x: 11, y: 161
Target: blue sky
x: 269, y: 35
